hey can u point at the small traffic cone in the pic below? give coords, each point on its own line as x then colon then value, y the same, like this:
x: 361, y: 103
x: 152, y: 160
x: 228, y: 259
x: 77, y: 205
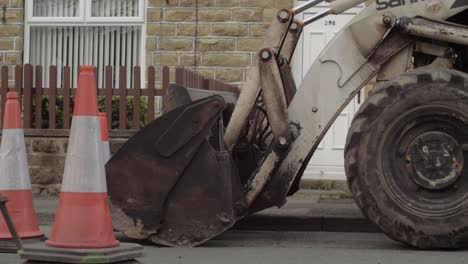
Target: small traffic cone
x: 83, y: 231
x: 14, y: 178
x: 104, y: 137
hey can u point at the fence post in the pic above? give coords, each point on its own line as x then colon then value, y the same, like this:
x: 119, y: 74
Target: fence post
x: 52, y: 96
x: 19, y: 82
x: 166, y: 79
x: 108, y: 95
x: 3, y: 89
x: 151, y: 93
x: 179, y: 76
x: 38, y: 95
x: 122, y: 98
x: 66, y: 97
x: 28, y: 83
x: 136, y: 97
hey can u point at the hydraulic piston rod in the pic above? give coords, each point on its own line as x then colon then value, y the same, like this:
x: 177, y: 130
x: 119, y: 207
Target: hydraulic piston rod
x: 317, y: 16
x: 434, y: 30
x: 336, y: 7
x: 304, y: 7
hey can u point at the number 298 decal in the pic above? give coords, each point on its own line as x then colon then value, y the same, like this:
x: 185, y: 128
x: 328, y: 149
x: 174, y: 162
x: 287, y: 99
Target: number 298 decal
x: 386, y: 4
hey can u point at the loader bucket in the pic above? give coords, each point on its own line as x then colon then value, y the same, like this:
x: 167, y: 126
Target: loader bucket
x: 168, y: 184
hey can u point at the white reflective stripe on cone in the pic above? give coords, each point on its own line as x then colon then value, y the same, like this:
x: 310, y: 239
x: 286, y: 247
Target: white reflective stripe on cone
x: 84, y: 165
x: 14, y: 171
x: 106, y: 151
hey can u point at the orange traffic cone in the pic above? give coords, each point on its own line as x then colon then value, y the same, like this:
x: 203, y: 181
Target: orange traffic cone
x: 83, y: 231
x: 83, y: 218
x: 14, y: 175
x: 104, y: 137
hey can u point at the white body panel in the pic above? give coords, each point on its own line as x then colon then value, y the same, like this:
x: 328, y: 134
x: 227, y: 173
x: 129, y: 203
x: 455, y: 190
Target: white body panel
x: 328, y: 160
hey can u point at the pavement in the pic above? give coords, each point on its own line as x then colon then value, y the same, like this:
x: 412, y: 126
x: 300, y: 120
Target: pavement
x: 274, y: 247
x: 307, y: 211
x: 314, y: 227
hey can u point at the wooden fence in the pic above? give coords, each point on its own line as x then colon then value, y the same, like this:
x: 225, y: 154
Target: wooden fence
x: 28, y: 83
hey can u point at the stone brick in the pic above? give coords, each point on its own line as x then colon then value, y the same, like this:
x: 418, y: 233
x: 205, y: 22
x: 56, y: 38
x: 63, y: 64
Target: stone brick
x: 19, y: 44
x: 216, y: 44
x: 229, y: 75
x: 277, y: 4
x: 269, y: 14
x: 231, y: 30
x: 201, y: 3
x: 47, y: 145
x: 247, y: 15
x: 188, y: 59
x: 226, y: 60
x: 227, y: 3
x: 162, y: 3
x: 166, y: 59
x: 154, y: 15
x: 46, y: 190
x: 258, y: 30
x: 45, y: 175
x: 28, y: 143
x: 151, y: 43
x: 49, y: 160
x: 160, y: 29
x: 175, y: 44
x: 190, y: 30
x: 214, y: 15
x: 16, y: 3
x: 249, y: 44
x: 207, y: 72
x: 13, y: 58
x: 180, y: 15
x: 14, y: 15
x: 11, y: 31
x: 7, y: 44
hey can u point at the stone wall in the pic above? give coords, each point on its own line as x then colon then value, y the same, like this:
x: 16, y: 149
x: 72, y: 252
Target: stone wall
x: 46, y: 151
x: 219, y: 38
x: 11, y: 34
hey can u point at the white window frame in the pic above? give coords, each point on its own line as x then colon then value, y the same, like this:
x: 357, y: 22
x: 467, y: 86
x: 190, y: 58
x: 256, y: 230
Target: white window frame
x: 85, y: 10
x: 53, y: 20
x: 85, y: 19
x: 137, y: 19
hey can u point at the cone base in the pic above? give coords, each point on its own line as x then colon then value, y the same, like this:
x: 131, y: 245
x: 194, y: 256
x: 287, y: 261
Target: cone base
x: 83, y: 221
x: 41, y: 252
x: 21, y: 209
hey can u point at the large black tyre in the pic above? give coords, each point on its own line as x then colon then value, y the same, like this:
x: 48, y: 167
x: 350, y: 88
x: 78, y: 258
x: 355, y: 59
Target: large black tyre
x: 387, y: 176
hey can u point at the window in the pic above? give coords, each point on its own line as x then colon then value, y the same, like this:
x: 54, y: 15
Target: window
x: 85, y: 32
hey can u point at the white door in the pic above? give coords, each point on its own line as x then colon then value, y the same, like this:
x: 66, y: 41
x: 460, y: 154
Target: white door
x: 328, y: 161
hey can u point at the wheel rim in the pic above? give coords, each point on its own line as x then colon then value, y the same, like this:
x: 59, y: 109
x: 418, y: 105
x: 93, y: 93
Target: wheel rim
x: 435, y: 160
x: 421, y: 160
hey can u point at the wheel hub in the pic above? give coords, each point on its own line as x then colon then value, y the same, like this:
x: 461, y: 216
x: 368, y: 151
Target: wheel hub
x: 435, y: 159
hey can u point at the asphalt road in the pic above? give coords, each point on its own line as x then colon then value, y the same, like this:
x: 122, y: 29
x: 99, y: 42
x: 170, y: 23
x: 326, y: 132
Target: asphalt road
x: 293, y: 248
